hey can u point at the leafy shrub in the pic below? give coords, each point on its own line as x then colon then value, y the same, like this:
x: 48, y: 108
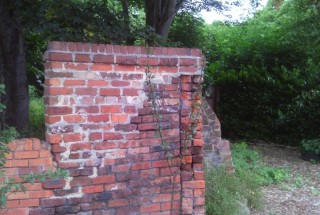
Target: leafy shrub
x: 311, y: 146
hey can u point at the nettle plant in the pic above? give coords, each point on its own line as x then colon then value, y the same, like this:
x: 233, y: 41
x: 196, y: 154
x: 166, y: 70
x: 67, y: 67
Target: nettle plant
x: 11, y: 185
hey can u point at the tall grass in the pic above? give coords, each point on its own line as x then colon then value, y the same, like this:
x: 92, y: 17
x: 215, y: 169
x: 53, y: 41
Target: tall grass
x: 227, y: 193
x: 36, y: 114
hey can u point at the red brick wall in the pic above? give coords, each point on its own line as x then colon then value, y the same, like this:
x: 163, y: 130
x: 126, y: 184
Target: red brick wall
x: 28, y: 155
x: 102, y: 128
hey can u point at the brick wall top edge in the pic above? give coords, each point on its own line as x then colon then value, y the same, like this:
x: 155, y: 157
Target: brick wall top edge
x: 57, y: 46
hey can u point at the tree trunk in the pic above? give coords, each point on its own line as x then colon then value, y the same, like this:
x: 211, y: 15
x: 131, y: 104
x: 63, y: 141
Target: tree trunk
x: 15, y: 76
x: 160, y: 14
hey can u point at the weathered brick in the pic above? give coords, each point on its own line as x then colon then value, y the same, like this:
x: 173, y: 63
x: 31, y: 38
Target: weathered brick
x: 47, y: 203
x: 150, y: 208
x: 53, y: 183
x: 103, y: 59
x: 92, y: 206
x: 104, y: 179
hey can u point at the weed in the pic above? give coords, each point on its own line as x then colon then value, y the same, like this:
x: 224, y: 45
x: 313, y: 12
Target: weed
x: 315, y: 191
x: 248, y: 161
x: 225, y: 190
x: 299, y: 181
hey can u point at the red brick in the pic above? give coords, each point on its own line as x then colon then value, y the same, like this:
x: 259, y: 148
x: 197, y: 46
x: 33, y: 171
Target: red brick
x: 169, y: 62
x: 111, y: 109
x: 93, y: 189
x: 124, y: 68
x: 82, y: 58
x: 18, y: 195
x: 68, y: 165
x: 104, y: 145
x: 80, y: 146
x: 12, y: 204
x: 93, y: 162
x: 19, y: 163
x: 141, y: 165
x: 188, y: 62
x: 138, y: 150
x: 112, y: 136
x: 62, y: 57
x: 130, y: 92
x: 187, y: 206
x: 166, y: 197
x: 76, y: 66
x: 95, y: 136
x: 81, y: 181
x: 110, y: 92
x: 40, y: 161
x: 74, y: 83
x: 101, y: 67
x: 121, y: 168
x: 52, y: 119
x: 53, y: 82
x: 86, y: 91
x: 53, y: 138
x: 15, y: 211
x: 30, y: 203
x: 147, y: 126
x: 118, y: 203
x: 103, y: 59
x: 117, y: 83
x: 73, y: 137
x: 119, y: 118
x: 199, y: 184
x: 189, y: 69
x: 107, y: 179
x: 169, y: 171
x: 53, y: 183
x: 46, y: 203
x: 167, y: 206
x: 132, y: 76
x: 126, y: 60
x: 199, y: 201
x: 58, y: 110
x: 150, y: 208
x: 168, y: 69
x: 74, y: 118
x: 186, y: 159
x: 98, y: 83
x: 199, y: 175
x: 57, y: 91
x: 53, y: 65
x: 98, y: 118
x: 87, y: 109
x: 26, y: 154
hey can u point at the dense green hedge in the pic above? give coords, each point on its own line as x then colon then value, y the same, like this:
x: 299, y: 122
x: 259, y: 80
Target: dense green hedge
x: 268, y: 73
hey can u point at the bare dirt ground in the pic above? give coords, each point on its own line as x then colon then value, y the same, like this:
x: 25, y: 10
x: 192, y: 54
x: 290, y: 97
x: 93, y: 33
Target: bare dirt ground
x: 300, y: 194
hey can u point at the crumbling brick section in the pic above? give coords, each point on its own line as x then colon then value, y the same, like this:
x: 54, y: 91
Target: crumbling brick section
x: 216, y: 150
